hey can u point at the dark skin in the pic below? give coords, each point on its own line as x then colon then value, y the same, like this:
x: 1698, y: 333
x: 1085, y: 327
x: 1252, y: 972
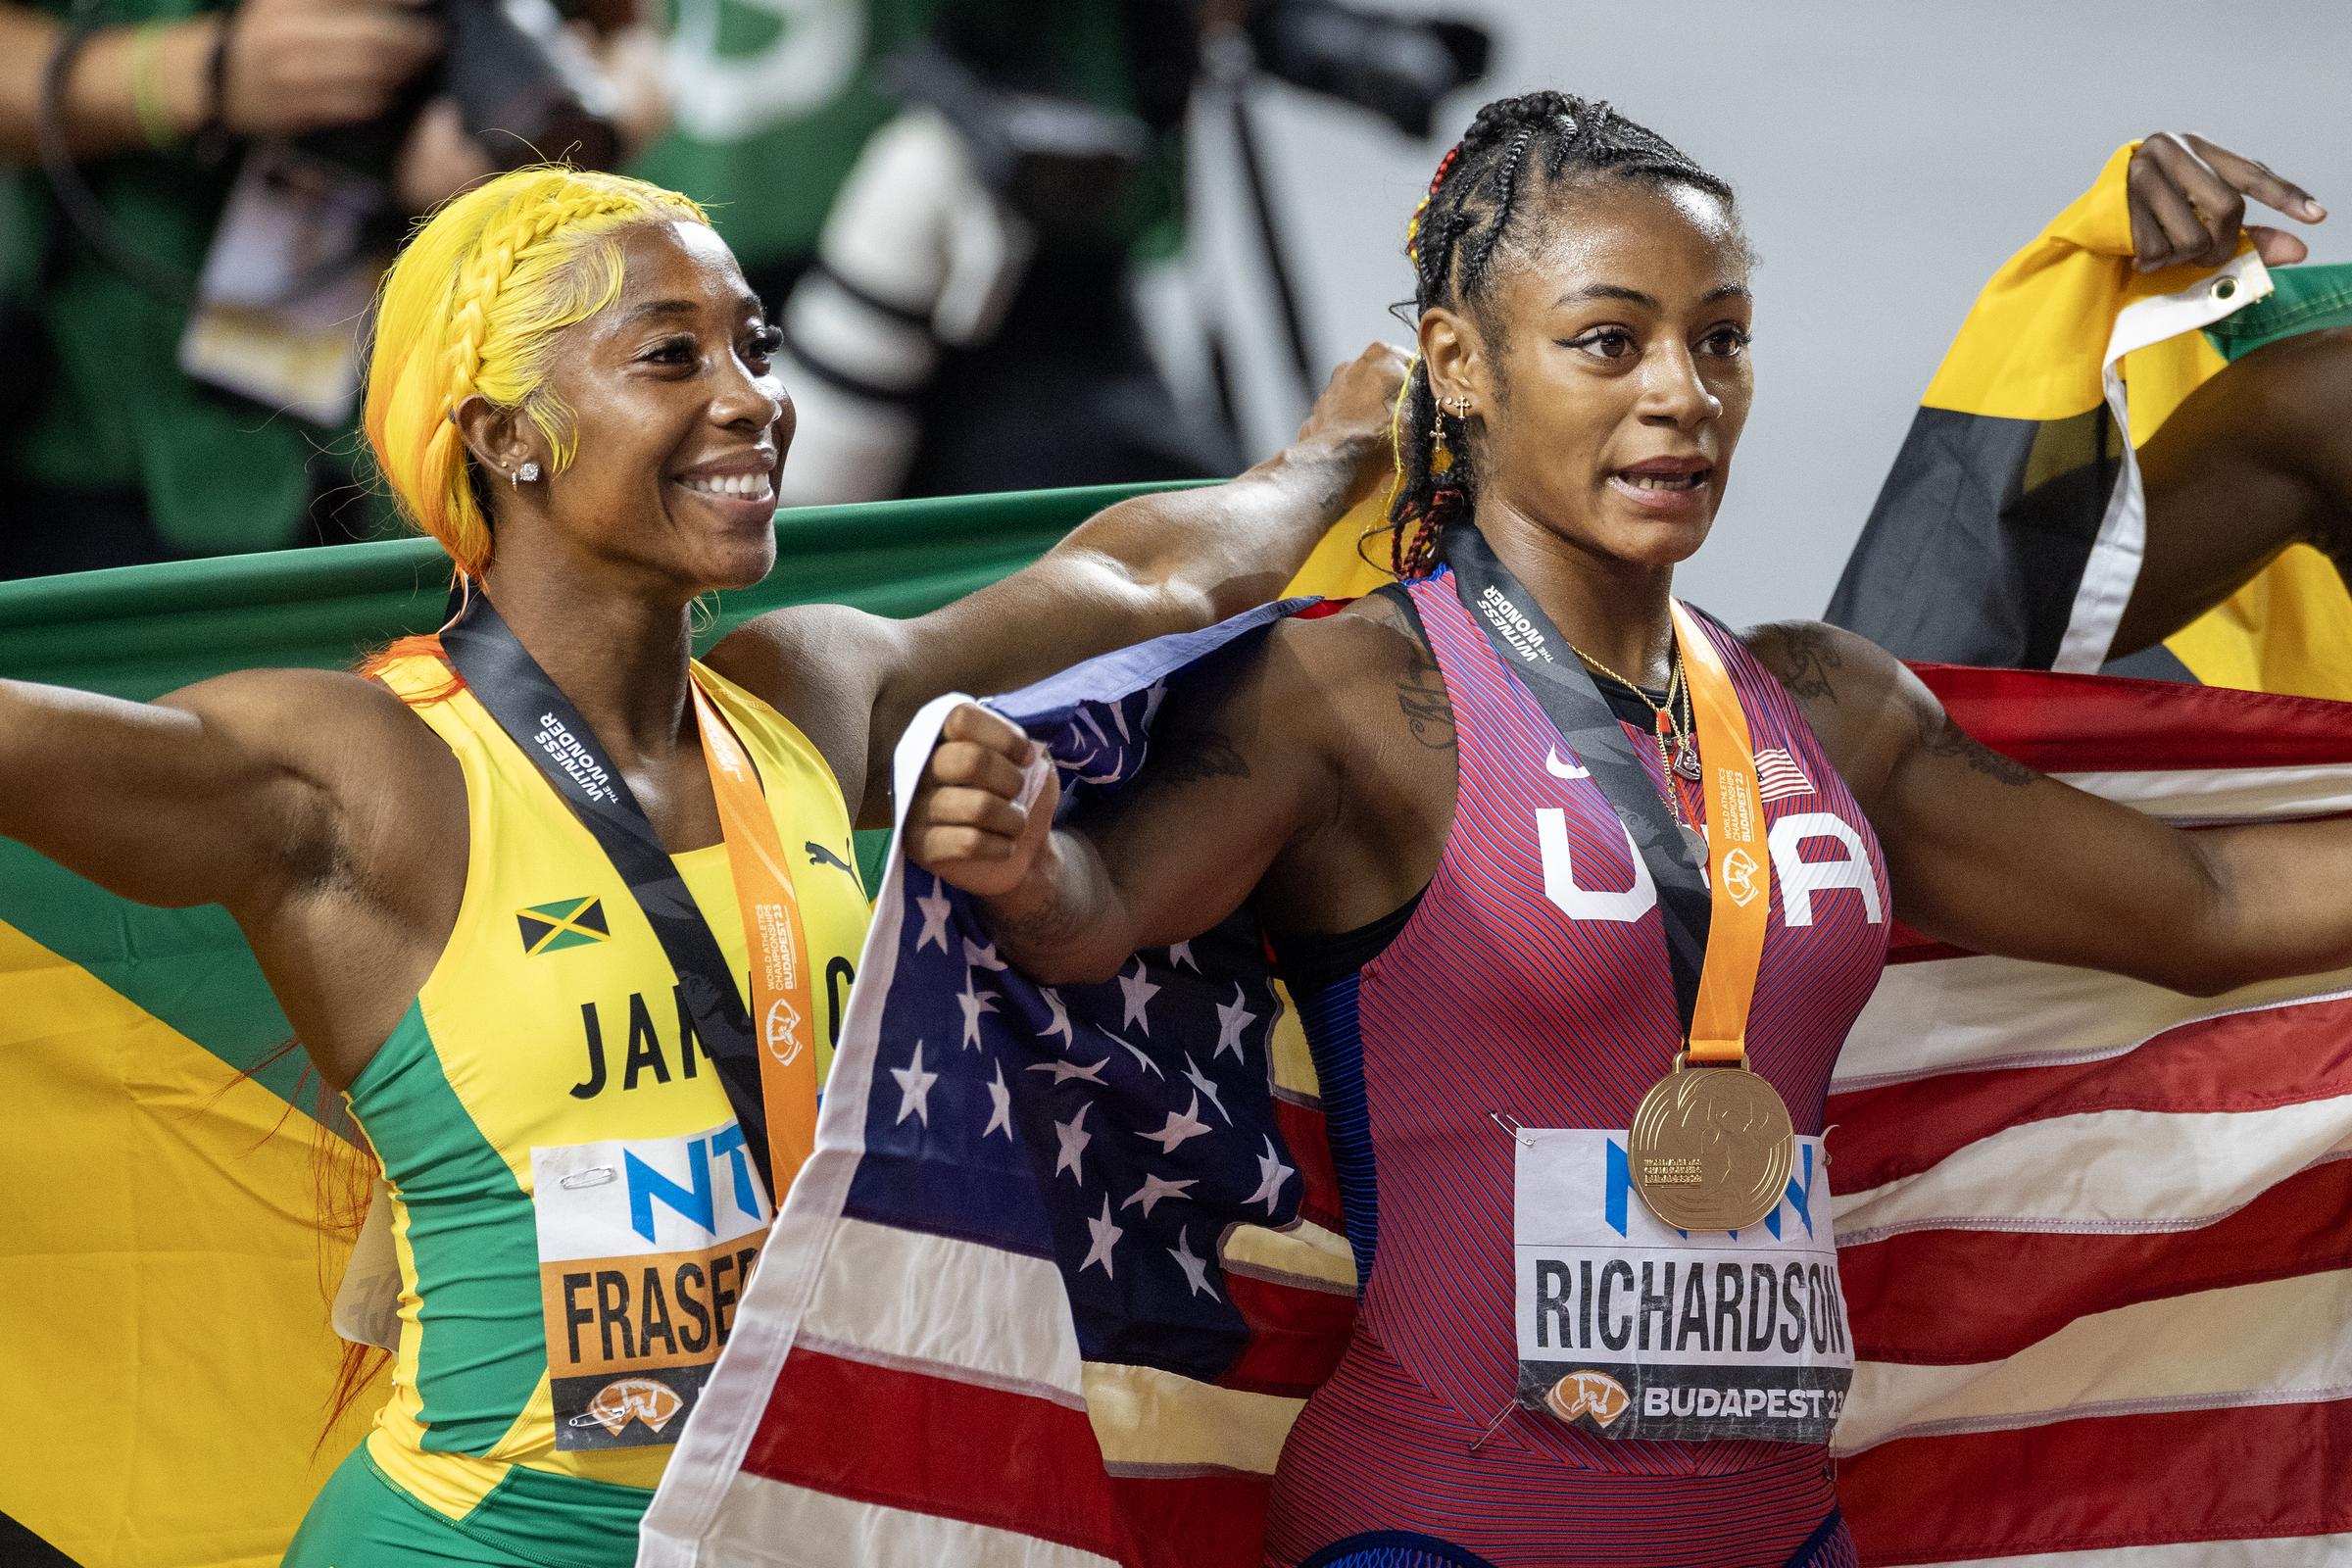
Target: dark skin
x: 2258, y: 458
x: 331, y: 822
x: 1612, y: 347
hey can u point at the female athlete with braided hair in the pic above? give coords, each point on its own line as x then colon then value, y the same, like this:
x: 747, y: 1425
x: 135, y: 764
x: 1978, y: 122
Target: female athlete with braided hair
x: 571, y: 391
x: 1479, y: 870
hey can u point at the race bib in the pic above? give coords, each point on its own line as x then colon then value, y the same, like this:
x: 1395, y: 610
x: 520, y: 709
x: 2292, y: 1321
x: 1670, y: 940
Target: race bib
x: 1631, y: 1329
x: 644, y: 1248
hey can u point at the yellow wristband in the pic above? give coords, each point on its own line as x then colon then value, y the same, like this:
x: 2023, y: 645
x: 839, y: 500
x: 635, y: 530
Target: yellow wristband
x: 146, y: 93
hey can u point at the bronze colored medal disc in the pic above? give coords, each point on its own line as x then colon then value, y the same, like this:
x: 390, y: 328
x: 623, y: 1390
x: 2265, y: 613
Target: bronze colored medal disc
x: 1711, y: 1148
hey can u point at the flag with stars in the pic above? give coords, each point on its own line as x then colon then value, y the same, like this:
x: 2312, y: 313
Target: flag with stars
x: 1065, y: 1263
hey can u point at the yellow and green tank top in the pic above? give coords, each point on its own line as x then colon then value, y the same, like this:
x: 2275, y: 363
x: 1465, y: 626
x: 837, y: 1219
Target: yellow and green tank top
x: 574, y: 1210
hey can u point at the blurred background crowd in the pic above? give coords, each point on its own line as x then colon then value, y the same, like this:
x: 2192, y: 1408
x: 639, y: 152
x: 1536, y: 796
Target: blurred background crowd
x: 1014, y: 243
x: 949, y: 205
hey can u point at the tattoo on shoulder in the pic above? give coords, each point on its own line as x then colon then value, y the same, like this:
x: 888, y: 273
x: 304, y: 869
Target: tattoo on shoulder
x: 1940, y: 737
x: 1803, y: 656
x: 1421, y: 694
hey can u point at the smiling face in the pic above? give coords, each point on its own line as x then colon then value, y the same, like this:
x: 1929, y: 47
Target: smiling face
x: 1606, y: 366
x: 679, y: 425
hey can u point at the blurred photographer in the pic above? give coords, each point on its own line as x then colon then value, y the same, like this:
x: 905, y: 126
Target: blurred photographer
x: 195, y: 201
x: 970, y: 323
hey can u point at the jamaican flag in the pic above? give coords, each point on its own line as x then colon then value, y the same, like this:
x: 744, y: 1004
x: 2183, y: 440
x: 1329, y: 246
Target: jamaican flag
x: 165, y: 1277
x: 2010, y: 528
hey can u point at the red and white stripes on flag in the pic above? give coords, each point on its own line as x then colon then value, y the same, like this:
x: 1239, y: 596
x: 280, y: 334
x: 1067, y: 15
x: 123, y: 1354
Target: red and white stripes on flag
x: 2097, y: 1236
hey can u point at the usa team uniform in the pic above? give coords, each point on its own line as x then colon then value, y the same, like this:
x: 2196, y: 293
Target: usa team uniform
x: 1528, y: 987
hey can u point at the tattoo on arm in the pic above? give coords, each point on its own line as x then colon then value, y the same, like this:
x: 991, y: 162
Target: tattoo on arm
x: 1428, y: 711
x: 1940, y: 738
x: 1806, y: 658
x: 1421, y: 690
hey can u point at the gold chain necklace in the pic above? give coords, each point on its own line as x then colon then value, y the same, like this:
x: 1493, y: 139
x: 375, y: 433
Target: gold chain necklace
x: 1683, y: 761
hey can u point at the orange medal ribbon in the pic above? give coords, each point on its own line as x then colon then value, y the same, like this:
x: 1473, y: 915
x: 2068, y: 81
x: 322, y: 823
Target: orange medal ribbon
x: 1711, y: 1144
x: 1739, y: 862
x: 782, y: 1019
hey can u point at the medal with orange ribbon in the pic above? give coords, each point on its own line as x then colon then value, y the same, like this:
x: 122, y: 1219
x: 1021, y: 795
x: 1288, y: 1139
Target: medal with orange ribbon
x: 1711, y: 1146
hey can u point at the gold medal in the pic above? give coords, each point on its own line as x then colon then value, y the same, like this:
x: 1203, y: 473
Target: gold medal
x: 1711, y: 1147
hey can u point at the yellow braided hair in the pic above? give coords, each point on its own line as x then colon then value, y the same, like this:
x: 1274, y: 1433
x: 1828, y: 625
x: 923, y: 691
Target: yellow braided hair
x: 474, y: 305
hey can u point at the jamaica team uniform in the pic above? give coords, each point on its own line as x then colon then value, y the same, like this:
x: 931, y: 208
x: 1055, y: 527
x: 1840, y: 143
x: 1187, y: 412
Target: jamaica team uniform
x: 574, y: 1208
x: 1530, y: 983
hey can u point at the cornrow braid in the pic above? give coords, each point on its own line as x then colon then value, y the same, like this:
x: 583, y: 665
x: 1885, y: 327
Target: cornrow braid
x: 1473, y: 210
x: 1412, y: 229
x: 494, y: 263
x: 472, y: 307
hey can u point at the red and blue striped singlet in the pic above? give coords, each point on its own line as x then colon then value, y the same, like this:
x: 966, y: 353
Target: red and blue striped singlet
x: 1540, y: 993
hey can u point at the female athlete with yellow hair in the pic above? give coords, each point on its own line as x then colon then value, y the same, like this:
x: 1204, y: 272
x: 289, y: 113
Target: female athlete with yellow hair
x: 510, y: 888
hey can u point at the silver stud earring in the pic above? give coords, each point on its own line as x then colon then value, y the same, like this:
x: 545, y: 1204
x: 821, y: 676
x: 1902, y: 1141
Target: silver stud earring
x: 528, y: 473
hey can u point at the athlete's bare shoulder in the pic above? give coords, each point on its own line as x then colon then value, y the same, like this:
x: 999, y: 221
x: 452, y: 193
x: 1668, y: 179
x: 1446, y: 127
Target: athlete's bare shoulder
x: 364, y: 850
x: 1371, y: 665
x: 1860, y: 702
x: 369, y: 788
x: 323, y: 723
x: 821, y: 667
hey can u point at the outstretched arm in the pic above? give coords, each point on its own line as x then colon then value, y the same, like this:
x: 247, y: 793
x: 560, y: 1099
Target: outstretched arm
x: 1149, y: 565
x: 1993, y: 856
x: 201, y: 797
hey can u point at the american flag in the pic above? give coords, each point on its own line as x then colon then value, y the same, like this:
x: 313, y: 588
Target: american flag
x: 1065, y: 1264
x: 1064, y: 1267
x: 2097, y: 1236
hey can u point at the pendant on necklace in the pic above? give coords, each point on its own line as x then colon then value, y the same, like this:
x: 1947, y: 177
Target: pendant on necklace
x: 1686, y: 760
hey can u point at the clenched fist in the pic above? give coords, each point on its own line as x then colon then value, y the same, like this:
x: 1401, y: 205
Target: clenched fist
x: 984, y: 805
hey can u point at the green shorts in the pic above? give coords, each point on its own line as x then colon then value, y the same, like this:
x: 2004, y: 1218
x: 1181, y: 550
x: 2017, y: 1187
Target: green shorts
x: 362, y: 1520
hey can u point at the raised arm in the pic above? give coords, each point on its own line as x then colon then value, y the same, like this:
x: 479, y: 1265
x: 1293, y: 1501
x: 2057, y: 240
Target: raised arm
x: 2257, y: 458
x: 1153, y: 565
x: 216, y: 794
x: 1993, y: 856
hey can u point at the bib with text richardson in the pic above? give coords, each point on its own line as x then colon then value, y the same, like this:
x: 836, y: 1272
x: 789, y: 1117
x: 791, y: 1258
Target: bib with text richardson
x: 1634, y: 1330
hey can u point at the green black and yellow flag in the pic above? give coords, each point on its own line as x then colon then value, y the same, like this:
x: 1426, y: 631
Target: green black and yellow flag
x: 165, y: 1280
x: 564, y: 923
x: 2011, y: 528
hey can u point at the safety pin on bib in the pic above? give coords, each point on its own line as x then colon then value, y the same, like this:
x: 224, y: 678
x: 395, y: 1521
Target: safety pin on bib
x: 1500, y: 1416
x: 1510, y: 1124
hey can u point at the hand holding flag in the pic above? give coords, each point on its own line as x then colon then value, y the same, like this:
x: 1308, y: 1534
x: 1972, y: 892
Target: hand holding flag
x: 985, y: 806
x: 2187, y: 199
